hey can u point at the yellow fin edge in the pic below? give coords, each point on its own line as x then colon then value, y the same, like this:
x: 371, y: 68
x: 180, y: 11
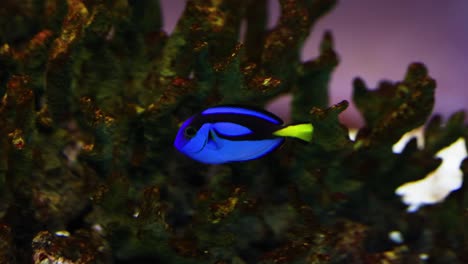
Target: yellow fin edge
x: 300, y: 131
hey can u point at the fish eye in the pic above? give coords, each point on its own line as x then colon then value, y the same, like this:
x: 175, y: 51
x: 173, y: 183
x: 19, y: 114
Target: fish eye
x: 190, y: 132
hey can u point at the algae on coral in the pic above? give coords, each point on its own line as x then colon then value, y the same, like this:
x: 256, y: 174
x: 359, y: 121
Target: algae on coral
x: 92, y: 95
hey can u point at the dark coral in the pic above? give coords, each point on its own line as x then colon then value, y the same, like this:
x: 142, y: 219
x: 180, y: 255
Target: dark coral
x: 92, y: 95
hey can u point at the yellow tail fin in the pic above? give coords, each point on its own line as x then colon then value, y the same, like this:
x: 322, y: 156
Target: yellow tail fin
x: 300, y: 131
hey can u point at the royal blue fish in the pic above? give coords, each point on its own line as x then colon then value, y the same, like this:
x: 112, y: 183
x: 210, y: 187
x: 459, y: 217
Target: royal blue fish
x: 230, y: 133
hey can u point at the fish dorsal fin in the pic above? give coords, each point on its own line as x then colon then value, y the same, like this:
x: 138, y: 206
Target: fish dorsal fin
x: 243, y: 110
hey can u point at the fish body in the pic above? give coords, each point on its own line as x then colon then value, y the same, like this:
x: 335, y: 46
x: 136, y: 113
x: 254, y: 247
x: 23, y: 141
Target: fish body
x: 230, y: 133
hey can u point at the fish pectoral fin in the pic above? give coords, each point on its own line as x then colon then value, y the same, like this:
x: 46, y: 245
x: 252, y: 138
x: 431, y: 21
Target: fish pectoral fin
x: 301, y: 131
x: 213, y: 139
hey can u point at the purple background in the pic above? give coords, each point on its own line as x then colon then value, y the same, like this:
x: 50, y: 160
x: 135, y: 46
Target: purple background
x: 377, y: 40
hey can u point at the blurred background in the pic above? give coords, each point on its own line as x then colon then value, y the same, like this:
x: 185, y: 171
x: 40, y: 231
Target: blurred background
x: 376, y: 40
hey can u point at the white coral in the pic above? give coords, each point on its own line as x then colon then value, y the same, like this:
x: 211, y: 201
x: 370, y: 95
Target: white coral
x: 438, y: 184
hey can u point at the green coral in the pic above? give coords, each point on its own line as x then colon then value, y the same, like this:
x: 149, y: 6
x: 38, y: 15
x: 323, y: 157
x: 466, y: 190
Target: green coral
x: 93, y: 93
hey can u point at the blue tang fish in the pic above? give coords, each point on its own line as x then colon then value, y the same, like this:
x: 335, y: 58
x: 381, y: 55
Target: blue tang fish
x: 230, y: 133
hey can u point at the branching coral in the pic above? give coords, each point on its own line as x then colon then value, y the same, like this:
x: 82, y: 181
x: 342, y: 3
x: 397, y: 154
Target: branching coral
x: 92, y: 95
